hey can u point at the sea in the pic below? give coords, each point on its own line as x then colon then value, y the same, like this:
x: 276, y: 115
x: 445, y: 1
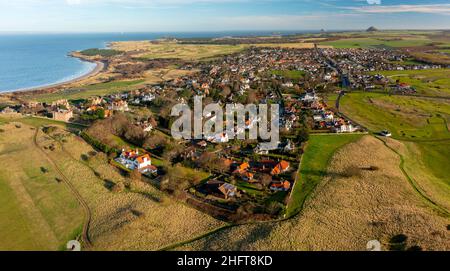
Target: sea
x: 29, y: 60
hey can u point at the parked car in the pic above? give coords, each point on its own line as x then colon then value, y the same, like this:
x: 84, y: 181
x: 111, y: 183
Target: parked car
x: 386, y: 133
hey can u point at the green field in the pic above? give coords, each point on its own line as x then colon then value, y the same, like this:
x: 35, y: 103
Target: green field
x: 88, y: 91
x: 408, y: 118
x: 315, y: 162
x: 426, y: 82
x: 294, y: 75
x: 422, y: 126
x: 37, y: 211
x: 378, y: 42
x: 171, y: 50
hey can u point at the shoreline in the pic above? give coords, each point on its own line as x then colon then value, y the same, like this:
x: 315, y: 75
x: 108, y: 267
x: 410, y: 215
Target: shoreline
x: 100, y: 66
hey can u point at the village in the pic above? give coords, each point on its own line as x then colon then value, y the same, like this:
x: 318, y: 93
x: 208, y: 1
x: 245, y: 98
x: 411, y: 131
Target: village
x: 241, y: 173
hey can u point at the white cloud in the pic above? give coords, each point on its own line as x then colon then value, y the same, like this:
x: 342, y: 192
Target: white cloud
x: 374, y: 2
x: 436, y: 9
x: 73, y: 2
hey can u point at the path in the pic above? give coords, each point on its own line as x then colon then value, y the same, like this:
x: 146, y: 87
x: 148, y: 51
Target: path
x: 413, y: 183
x: 87, y: 210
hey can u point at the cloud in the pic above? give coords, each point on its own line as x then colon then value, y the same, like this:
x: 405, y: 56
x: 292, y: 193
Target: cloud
x: 374, y: 2
x: 436, y: 9
x: 73, y: 2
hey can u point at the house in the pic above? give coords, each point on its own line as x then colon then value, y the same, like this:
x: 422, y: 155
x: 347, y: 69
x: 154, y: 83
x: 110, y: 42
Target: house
x: 119, y: 105
x: 61, y: 103
x: 220, y: 189
x: 95, y: 101
x: 281, y: 167
x: 144, y: 164
x: 8, y: 110
x: 345, y: 128
x: 228, y: 190
x: 221, y: 138
x: 242, y: 168
x: 63, y: 115
x: 202, y: 144
x: 280, y: 186
x: 148, y: 128
x: 133, y: 160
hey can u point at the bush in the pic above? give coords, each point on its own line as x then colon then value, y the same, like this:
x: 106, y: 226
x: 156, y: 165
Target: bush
x: 118, y: 187
x: 351, y: 171
x: 101, y: 52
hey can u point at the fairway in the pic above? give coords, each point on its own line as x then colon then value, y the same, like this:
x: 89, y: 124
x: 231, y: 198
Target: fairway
x: 408, y: 118
x: 315, y: 162
x: 170, y: 50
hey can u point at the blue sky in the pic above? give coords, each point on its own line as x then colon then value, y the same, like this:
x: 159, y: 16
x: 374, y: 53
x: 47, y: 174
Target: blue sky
x: 219, y: 15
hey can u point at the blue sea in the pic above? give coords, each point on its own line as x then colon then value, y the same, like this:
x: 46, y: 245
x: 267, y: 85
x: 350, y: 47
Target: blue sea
x: 36, y: 60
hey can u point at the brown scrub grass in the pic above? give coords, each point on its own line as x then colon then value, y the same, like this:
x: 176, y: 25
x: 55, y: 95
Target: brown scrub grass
x: 37, y: 211
x: 347, y: 210
x: 139, y: 218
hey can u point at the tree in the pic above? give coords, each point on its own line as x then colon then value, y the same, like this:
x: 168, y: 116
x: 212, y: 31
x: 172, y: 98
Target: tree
x: 100, y: 113
x: 302, y: 135
x: 266, y: 179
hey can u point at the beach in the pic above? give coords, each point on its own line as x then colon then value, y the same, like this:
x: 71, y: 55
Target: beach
x: 100, y: 66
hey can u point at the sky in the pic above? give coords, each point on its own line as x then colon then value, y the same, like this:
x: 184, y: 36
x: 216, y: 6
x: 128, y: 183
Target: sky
x: 219, y: 15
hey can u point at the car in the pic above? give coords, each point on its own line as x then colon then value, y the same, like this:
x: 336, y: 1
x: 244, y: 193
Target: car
x: 386, y: 133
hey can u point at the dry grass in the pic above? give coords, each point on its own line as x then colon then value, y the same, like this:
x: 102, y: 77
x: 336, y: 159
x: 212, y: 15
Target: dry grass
x: 159, y: 75
x: 306, y: 45
x: 162, y: 50
x: 346, y: 212
x: 435, y: 187
x: 37, y: 212
x: 141, y: 219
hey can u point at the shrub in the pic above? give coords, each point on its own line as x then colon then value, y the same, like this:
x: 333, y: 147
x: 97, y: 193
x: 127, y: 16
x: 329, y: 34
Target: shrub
x: 118, y: 187
x: 100, y: 52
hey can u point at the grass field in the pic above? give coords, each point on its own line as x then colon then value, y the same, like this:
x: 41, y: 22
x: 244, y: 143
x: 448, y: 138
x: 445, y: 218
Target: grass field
x: 426, y: 82
x: 293, y: 75
x: 377, y: 42
x: 346, y: 210
x: 38, y: 212
x: 42, y: 214
x: 162, y: 50
x: 86, y: 92
x: 314, y: 165
x: 423, y: 124
x: 426, y: 163
x: 408, y: 118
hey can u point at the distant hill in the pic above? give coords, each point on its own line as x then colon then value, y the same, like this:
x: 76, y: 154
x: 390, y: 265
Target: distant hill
x: 372, y: 29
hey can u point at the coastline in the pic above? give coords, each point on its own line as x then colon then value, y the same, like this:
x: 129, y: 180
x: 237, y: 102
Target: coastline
x: 100, y: 66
